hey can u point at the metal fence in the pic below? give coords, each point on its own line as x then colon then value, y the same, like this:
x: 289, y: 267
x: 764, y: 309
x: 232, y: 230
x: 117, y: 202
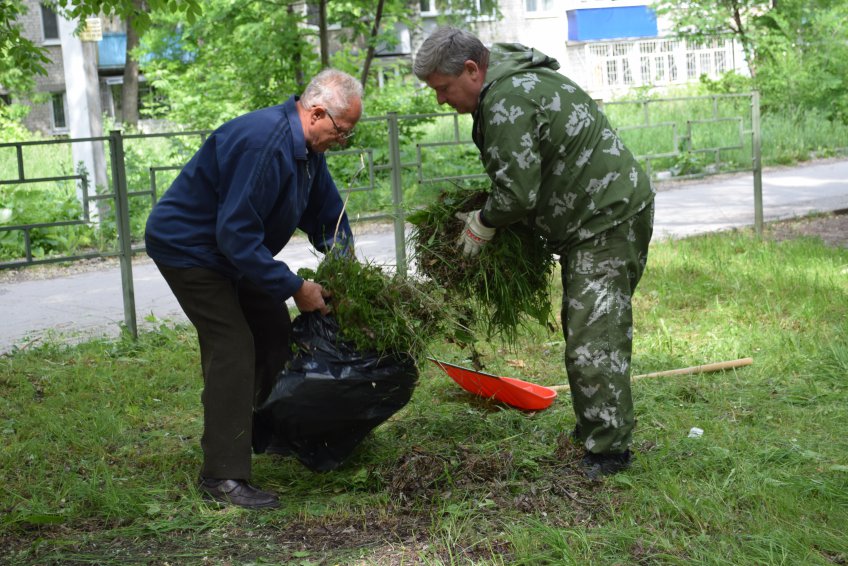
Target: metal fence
x: 400, y: 161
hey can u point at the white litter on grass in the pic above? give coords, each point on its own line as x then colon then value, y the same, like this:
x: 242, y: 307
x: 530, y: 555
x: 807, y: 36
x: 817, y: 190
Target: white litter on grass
x: 696, y: 432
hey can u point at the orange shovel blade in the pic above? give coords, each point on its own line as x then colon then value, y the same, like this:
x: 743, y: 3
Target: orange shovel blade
x: 514, y: 392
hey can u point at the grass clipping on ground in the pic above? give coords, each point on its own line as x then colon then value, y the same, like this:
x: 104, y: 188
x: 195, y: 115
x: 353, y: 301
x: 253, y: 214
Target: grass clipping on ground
x: 505, y: 285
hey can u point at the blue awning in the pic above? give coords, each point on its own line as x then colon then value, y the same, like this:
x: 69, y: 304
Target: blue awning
x: 112, y: 51
x: 611, y: 23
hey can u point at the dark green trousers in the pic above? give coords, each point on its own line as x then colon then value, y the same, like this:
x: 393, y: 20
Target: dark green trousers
x: 244, y: 343
x: 599, y: 277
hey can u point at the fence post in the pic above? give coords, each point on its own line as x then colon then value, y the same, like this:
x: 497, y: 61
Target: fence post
x: 122, y: 223
x: 397, y: 192
x: 756, y: 150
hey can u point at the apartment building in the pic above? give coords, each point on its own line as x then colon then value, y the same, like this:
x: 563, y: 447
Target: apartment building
x: 83, y: 78
x: 608, y: 47
x: 44, y: 27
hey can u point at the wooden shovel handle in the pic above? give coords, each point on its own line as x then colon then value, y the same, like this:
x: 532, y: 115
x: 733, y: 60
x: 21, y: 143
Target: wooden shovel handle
x: 717, y: 366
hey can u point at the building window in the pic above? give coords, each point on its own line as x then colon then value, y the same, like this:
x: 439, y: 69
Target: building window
x: 437, y: 7
x: 612, y: 71
x: 487, y: 7
x: 49, y: 23
x: 691, y: 66
x: 653, y: 62
x: 659, y: 76
x: 538, y: 5
x: 313, y: 14
x: 150, y: 101
x: 645, y: 66
x: 706, y: 67
x: 720, y: 62
x: 59, y: 120
x: 672, y: 68
x: 627, y: 74
x: 670, y: 47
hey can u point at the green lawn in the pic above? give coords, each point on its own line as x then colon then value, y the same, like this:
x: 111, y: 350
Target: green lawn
x: 100, y: 444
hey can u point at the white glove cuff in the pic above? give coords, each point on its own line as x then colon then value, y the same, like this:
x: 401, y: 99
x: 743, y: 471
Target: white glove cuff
x: 478, y: 230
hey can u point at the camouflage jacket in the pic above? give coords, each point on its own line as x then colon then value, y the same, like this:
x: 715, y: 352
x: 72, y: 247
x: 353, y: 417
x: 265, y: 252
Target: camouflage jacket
x: 553, y: 158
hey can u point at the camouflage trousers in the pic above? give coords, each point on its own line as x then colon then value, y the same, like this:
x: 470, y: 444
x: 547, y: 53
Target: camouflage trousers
x: 599, y: 277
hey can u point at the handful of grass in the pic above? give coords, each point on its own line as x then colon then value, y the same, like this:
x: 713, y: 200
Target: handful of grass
x: 381, y: 312
x: 508, y: 282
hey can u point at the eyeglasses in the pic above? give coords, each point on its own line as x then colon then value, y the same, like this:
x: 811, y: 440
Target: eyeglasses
x: 343, y: 135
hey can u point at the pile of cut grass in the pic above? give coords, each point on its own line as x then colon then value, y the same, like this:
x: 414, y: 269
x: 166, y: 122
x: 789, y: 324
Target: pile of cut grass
x: 386, y: 313
x: 508, y: 283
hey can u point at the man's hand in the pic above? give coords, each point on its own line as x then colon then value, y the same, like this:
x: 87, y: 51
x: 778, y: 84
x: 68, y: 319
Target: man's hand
x: 475, y: 235
x: 310, y: 297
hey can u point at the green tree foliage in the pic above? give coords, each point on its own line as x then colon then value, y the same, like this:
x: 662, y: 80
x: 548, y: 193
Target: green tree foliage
x: 703, y: 19
x: 139, y: 12
x: 211, y: 60
x: 803, y: 57
x: 371, y: 26
x: 797, y: 50
x: 240, y: 55
x: 20, y: 59
x: 367, y: 27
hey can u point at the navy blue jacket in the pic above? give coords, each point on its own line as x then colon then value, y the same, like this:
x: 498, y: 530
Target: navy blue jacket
x: 239, y: 200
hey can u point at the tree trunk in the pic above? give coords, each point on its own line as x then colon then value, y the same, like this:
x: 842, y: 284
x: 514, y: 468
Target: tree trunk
x: 323, y: 35
x: 296, y: 57
x: 747, y: 45
x: 416, y: 30
x: 372, y: 42
x: 129, y: 90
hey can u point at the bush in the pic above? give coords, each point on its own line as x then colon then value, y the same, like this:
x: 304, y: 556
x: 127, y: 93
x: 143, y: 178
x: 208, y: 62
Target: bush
x: 802, y: 60
x: 11, y: 123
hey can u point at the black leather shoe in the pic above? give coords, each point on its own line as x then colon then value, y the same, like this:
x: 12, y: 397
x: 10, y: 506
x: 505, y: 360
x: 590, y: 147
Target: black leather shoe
x: 595, y: 466
x: 237, y: 492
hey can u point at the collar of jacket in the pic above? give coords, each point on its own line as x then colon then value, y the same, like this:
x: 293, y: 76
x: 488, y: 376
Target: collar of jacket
x: 477, y: 118
x: 298, y: 141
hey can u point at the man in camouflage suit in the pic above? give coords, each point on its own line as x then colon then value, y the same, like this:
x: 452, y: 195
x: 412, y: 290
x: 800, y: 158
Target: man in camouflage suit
x: 556, y: 163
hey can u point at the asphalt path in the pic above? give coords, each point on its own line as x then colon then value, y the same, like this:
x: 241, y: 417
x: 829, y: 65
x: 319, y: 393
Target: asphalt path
x: 89, y: 304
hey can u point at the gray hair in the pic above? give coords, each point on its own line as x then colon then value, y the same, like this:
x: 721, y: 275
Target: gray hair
x: 445, y: 52
x: 332, y: 89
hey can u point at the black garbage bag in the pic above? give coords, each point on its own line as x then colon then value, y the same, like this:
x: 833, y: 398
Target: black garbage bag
x: 330, y: 396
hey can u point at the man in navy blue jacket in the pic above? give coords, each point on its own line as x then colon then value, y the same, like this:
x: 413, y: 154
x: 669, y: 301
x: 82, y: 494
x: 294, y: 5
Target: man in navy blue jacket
x: 214, y: 235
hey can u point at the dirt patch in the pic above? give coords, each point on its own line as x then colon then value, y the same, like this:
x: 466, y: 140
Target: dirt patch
x: 420, y: 484
x: 394, y: 535
x: 831, y: 228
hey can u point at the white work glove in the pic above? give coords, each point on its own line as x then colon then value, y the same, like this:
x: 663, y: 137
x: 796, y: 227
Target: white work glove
x: 474, y: 235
